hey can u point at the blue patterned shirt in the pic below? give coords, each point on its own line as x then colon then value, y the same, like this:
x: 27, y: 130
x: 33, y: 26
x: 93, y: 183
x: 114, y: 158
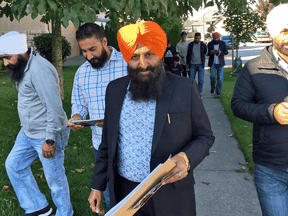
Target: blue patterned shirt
x: 135, y: 138
x: 89, y: 88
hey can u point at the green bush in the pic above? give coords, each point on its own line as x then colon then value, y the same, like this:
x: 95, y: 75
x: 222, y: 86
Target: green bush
x: 1, y: 65
x: 43, y: 44
x: 111, y: 36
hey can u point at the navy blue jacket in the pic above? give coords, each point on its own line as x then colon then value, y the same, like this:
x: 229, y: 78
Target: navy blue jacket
x: 261, y: 85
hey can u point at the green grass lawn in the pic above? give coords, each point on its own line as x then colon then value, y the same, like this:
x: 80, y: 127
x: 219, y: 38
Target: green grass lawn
x: 79, y: 153
x: 241, y: 128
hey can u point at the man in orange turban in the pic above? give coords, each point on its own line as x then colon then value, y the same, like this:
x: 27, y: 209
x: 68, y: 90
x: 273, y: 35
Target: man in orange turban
x: 216, y: 51
x: 150, y: 34
x: 149, y: 115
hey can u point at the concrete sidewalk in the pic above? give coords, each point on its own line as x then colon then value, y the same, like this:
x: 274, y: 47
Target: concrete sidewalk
x: 220, y: 190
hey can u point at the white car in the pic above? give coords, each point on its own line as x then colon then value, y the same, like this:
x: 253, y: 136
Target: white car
x: 263, y: 37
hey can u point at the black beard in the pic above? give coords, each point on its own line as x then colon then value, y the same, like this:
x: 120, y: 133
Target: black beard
x: 146, y: 87
x: 16, y: 71
x: 216, y: 42
x: 101, y: 59
x: 196, y: 42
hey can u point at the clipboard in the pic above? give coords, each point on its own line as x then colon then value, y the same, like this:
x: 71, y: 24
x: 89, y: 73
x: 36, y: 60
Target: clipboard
x: 86, y: 123
x: 143, y: 192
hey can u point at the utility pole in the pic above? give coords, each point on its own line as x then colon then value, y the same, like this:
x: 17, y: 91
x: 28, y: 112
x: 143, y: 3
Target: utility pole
x: 203, y: 21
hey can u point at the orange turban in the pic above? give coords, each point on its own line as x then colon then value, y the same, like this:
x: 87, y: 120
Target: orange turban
x: 216, y: 35
x: 150, y: 34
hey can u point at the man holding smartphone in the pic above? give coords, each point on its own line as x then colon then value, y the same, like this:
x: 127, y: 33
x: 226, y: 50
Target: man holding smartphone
x: 216, y: 51
x: 104, y: 64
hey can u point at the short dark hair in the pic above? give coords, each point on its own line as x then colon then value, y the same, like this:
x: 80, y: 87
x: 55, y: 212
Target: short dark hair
x: 197, y: 34
x: 168, y: 41
x: 89, y: 30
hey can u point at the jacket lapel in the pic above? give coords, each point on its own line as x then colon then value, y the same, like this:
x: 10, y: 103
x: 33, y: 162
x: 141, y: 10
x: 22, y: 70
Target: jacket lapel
x: 162, y: 106
x: 116, y: 111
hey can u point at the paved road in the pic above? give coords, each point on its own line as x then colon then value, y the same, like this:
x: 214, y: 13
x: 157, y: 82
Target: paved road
x: 250, y: 51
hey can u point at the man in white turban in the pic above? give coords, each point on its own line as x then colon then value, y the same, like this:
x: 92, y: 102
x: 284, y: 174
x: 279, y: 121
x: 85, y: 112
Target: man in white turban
x: 44, y: 131
x: 261, y: 96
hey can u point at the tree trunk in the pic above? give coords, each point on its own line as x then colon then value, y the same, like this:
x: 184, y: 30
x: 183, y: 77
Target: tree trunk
x: 57, y: 52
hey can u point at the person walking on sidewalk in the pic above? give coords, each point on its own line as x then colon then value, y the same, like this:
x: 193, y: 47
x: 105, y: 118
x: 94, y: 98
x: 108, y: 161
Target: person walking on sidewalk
x: 261, y: 97
x: 181, y: 49
x: 103, y: 65
x: 44, y: 132
x: 195, y: 59
x: 216, y: 51
x: 149, y: 115
x: 169, y: 55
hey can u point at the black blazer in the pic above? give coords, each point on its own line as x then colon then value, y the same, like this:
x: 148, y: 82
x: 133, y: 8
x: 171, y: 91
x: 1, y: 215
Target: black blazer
x: 189, y: 131
x: 223, y: 51
x: 203, y: 52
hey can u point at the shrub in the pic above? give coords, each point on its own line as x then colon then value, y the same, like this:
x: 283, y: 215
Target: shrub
x: 1, y: 65
x: 43, y: 44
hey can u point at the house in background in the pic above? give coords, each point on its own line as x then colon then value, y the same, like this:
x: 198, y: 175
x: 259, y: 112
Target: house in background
x: 34, y: 27
x: 196, y: 25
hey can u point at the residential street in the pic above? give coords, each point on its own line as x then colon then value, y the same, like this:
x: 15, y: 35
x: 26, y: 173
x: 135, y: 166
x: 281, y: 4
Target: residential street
x: 246, y: 53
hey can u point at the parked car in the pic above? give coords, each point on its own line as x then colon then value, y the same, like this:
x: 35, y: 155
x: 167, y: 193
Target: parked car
x: 263, y: 37
x: 227, y: 40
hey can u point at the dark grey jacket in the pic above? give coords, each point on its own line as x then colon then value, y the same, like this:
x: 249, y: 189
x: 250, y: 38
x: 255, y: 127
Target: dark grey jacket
x: 202, y: 53
x: 260, y: 86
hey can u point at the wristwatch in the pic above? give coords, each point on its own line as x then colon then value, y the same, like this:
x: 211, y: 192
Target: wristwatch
x: 50, y: 142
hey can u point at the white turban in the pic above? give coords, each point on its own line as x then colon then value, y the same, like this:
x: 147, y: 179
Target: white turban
x: 13, y: 43
x: 277, y: 20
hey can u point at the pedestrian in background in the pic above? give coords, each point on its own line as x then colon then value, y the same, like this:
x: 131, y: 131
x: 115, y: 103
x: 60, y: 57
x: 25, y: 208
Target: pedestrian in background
x: 176, y: 68
x: 261, y: 97
x: 103, y: 65
x: 217, y: 49
x: 44, y: 132
x: 169, y: 55
x: 181, y: 49
x: 196, y: 59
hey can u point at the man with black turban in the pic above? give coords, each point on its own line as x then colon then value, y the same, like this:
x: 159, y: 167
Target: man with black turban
x: 149, y: 115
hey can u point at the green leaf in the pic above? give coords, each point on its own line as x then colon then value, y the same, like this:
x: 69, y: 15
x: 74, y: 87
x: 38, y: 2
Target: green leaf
x: 102, y: 8
x: 42, y: 7
x: 209, y: 4
x: 15, y: 7
x: 59, y: 14
x: 94, y: 4
x: 115, y: 5
x: 75, y: 22
x: 34, y: 13
x: 91, y: 14
x: 52, y: 5
x: 197, y: 4
x: 136, y: 10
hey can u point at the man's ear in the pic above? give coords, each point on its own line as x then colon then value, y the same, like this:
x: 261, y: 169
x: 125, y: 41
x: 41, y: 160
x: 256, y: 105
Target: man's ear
x: 104, y: 42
